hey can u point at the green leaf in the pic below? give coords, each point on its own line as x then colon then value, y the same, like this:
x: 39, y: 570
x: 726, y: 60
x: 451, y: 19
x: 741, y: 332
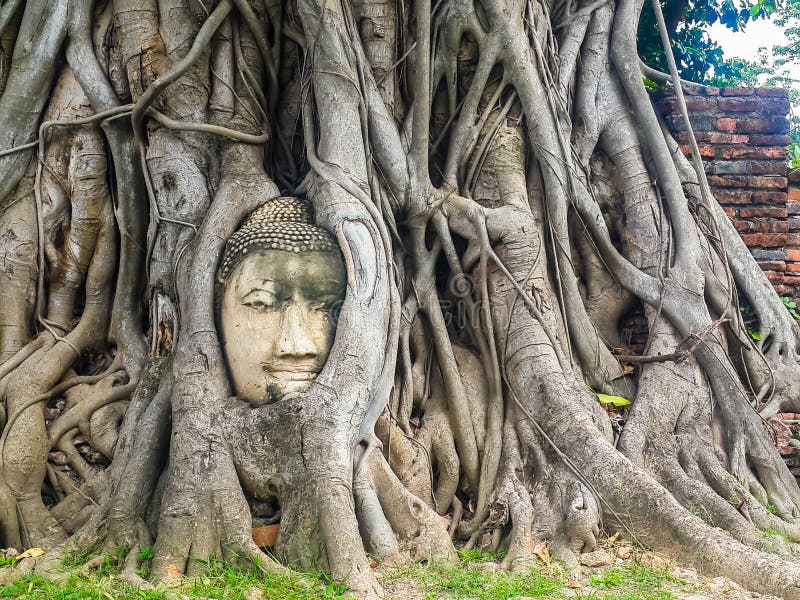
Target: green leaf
x: 649, y: 83
x: 615, y: 400
x: 756, y: 335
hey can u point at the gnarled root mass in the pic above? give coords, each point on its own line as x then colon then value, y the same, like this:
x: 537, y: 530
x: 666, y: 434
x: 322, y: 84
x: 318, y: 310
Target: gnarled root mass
x: 504, y: 196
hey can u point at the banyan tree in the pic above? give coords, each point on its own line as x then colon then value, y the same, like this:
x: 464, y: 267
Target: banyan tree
x: 360, y: 269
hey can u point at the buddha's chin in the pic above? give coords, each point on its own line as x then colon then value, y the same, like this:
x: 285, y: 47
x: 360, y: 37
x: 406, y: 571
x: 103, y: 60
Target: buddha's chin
x: 291, y: 385
x: 277, y: 386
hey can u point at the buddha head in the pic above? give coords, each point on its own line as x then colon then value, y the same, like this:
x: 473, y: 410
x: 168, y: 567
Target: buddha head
x: 281, y: 280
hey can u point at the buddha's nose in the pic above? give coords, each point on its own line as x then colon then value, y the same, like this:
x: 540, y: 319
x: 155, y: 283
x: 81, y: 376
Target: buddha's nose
x: 295, y: 338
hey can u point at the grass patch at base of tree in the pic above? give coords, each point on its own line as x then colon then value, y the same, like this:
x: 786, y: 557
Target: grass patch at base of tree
x: 469, y: 578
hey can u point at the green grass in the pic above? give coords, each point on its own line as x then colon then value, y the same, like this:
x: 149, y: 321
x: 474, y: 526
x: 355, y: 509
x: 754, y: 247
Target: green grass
x: 633, y: 582
x: 463, y: 580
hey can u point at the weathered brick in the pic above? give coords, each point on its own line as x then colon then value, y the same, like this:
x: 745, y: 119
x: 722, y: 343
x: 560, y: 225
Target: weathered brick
x: 775, y: 277
x: 771, y: 125
x: 771, y: 265
x: 763, y: 211
x: 694, y: 104
x: 694, y: 90
x: 762, y: 226
x: 699, y: 122
x: 748, y: 181
x: 767, y: 167
x: 726, y: 124
x: 772, y: 92
x: 793, y: 255
x: 741, y: 134
x: 764, y: 197
x: 794, y: 193
x: 775, y: 106
x: 775, y: 255
x: 727, y: 196
x: 737, y: 91
x: 765, y: 240
x: 746, y: 167
x: 717, y: 137
x: 734, y: 152
x: 706, y: 151
x: 738, y: 104
x: 769, y: 139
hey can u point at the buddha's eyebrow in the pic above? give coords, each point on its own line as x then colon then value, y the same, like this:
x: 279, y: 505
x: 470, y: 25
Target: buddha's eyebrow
x: 255, y: 290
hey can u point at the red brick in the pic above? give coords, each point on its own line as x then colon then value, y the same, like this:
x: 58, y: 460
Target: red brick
x: 739, y: 105
x: 726, y: 124
x: 793, y: 255
x: 728, y: 210
x: 770, y: 125
x: 793, y: 268
x: 748, y: 181
x: 794, y: 194
x: 763, y: 197
x: 706, y: 151
x: 717, y: 137
x: 734, y: 152
x: 764, y: 240
x: 737, y: 91
x: 771, y: 226
x: 775, y: 277
x: 793, y: 280
x: 726, y: 196
x: 763, y: 211
x: 793, y: 240
x: 265, y: 536
x: 762, y: 226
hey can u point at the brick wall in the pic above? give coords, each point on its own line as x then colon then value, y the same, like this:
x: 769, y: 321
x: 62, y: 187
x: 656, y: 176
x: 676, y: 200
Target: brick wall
x: 742, y: 134
x: 792, y: 279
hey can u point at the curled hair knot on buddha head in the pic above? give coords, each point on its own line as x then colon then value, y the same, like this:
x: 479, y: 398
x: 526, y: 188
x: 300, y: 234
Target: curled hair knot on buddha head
x: 284, y: 223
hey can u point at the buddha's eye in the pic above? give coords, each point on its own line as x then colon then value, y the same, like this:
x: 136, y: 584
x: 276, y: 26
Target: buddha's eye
x: 260, y: 300
x: 323, y: 304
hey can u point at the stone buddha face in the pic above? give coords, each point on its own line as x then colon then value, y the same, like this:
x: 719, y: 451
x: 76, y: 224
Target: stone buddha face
x: 282, y: 279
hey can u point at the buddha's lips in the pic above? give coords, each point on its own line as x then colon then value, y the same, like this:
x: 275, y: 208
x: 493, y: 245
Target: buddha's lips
x: 297, y: 374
